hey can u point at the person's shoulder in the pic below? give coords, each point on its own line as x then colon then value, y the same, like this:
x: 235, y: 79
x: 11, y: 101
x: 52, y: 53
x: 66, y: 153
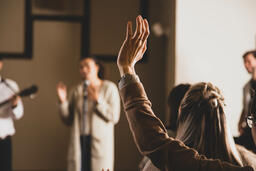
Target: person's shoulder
x: 242, y: 150
x: 247, y: 156
x: 12, y: 83
x: 109, y: 87
x: 109, y: 84
x: 8, y: 80
x: 77, y: 85
x: 247, y: 85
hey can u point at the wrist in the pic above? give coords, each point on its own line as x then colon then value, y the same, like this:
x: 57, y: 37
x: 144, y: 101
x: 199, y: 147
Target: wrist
x: 126, y: 70
x: 62, y: 100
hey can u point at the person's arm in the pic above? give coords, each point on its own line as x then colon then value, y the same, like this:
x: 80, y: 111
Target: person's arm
x: 152, y: 140
x: 66, y: 111
x: 13, y: 108
x: 148, y: 131
x: 109, y: 108
x: 242, y: 120
x: 17, y: 108
x: 66, y: 107
x: 242, y: 124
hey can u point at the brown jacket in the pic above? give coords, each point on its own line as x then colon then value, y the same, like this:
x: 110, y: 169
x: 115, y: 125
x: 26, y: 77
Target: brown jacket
x: 248, y: 157
x: 153, y: 141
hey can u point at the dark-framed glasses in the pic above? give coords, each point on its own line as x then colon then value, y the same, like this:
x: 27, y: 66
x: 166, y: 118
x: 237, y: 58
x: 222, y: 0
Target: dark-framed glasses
x: 251, y: 121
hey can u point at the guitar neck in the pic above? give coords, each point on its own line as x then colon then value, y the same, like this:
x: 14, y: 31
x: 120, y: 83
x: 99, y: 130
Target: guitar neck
x: 23, y: 93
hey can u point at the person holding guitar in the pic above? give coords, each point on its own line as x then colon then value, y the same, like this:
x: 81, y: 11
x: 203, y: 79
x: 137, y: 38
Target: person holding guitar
x: 11, y: 108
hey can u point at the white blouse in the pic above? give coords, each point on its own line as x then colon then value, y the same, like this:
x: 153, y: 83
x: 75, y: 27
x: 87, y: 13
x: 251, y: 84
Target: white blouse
x: 7, y: 113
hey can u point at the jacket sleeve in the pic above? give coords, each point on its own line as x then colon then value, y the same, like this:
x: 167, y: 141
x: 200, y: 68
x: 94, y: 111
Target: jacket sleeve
x: 108, y: 108
x: 152, y: 140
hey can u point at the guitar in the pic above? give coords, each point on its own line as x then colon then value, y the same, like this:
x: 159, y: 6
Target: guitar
x: 23, y: 93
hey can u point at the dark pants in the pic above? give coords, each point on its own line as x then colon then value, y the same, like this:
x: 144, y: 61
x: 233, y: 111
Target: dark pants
x: 6, y: 154
x: 85, y: 152
x: 246, y: 140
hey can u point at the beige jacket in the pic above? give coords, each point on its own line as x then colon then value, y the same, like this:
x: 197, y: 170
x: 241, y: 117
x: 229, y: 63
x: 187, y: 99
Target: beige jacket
x: 153, y: 141
x: 104, y: 116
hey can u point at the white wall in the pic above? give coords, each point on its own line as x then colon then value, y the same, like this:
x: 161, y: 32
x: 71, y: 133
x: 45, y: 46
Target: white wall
x: 211, y: 37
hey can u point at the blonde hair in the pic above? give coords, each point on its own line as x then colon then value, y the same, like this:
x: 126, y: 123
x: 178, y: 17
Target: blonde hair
x: 203, y: 126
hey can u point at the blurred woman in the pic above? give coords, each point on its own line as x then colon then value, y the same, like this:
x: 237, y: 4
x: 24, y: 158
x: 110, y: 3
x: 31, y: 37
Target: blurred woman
x: 202, y: 126
x: 92, y: 111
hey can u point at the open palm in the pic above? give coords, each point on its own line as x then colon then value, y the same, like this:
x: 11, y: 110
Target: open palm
x: 134, y: 45
x: 62, y: 91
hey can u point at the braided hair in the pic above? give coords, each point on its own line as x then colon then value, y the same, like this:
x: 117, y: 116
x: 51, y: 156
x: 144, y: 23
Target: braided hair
x: 202, y: 123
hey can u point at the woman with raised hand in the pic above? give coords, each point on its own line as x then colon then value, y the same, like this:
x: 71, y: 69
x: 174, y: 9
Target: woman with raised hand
x: 202, y: 126
x: 148, y: 131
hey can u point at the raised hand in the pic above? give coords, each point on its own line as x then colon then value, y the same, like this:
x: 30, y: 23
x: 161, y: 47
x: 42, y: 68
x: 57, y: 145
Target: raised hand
x: 134, y: 46
x: 62, y: 92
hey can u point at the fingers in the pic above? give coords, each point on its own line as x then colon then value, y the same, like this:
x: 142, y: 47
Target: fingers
x: 144, y: 47
x: 129, y: 30
x: 138, y: 32
x: 145, y: 31
x: 142, y: 31
x: 14, y: 98
x: 61, y: 85
x: 91, y: 90
x: 92, y: 93
x: 133, y: 50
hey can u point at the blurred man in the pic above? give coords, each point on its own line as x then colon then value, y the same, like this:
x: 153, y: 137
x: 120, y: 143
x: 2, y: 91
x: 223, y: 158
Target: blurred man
x: 245, y: 137
x: 10, y: 110
x: 251, y: 119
